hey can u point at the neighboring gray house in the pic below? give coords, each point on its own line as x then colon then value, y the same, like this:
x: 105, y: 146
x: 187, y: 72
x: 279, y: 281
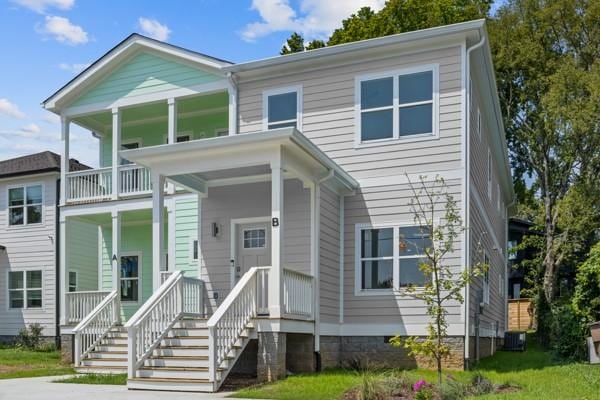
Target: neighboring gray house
x: 28, y: 227
x: 260, y: 210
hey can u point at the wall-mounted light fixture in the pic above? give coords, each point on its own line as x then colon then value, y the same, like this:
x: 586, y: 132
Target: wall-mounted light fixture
x: 216, y: 229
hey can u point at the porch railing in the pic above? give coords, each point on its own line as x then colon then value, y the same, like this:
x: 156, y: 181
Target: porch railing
x: 134, y: 180
x: 89, y: 185
x: 262, y: 291
x: 80, y: 304
x: 147, y: 327
x: 231, y: 319
x: 92, y: 329
x: 297, y: 294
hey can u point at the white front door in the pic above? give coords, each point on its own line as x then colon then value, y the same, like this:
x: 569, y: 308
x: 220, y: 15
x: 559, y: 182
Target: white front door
x: 253, y: 247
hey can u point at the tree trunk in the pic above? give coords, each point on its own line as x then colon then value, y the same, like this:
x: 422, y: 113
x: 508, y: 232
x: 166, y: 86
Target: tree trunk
x: 549, y: 225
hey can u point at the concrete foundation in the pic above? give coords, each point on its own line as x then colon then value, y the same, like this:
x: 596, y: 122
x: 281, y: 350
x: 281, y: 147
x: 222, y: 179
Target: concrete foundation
x: 67, y: 345
x: 271, y: 362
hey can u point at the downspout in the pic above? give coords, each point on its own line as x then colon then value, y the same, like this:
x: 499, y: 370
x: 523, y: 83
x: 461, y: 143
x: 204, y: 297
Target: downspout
x: 233, y: 104
x: 57, y: 265
x: 467, y: 194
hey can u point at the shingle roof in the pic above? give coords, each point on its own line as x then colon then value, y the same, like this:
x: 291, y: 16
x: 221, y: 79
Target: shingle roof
x: 45, y: 161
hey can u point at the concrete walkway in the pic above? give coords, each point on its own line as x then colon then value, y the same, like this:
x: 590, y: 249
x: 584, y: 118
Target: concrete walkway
x: 45, y: 388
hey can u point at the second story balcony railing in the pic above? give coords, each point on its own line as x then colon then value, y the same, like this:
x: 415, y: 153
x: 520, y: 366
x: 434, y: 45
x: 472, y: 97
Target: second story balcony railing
x: 94, y: 185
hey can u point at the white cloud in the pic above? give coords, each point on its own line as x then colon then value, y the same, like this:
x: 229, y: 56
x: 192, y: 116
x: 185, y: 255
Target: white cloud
x: 51, y: 118
x: 31, y: 128
x: 11, y: 109
x: 62, y: 30
x: 40, y: 6
x: 73, y: 68
x: 154, y: 29
x: 316, y: 19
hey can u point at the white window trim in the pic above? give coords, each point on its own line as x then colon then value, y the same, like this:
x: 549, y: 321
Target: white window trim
x: 479, y: 125
x: 395, y: 106
x: 501, y: 285
x: 179, y: 134
x: 139, y: 278
x: 282, y: 90
x: 396, y: 290
x: 76, y: 280
x: 24, y: 290
x: 25, y: 223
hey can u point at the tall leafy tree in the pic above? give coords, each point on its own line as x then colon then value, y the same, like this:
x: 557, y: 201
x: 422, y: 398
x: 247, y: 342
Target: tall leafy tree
x: 295, y: 44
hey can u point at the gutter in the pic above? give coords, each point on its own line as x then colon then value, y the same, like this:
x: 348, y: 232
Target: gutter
x: 466, y: 246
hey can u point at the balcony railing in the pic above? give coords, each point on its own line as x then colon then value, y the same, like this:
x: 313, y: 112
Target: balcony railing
x: 134, y: 180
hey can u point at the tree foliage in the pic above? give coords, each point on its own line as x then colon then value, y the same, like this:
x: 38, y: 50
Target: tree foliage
x: 436, y: 213
x: 586, y: 300
x: 295, y: 44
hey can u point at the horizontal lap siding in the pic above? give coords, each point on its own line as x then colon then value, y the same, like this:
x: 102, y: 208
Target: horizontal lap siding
x: 329, y: 255
x: 29, y: 248
x: 186, y: 230
x: 390, y: 204
x: 82, y: 250
x: 329, y: 116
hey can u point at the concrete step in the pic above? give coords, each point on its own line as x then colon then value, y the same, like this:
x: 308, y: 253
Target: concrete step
x: 185, y: 341
x: 177, y: 361
x: 105, y: 362
x: 175, y: 372
x: 179, y: 385
x: 174, y: 351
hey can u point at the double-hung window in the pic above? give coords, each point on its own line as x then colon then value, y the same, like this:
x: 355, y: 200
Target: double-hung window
x: 397, y: 105
x: 25, y: 205
x: 391, y: 257
x: 282, y: 108
x: 25, y: 289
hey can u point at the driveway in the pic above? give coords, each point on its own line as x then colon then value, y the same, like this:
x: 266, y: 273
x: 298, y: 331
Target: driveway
x: 45, y: 389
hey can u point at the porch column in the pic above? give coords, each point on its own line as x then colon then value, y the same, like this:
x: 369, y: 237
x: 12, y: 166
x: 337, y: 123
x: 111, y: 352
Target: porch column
x: 116, y: 146
x: 170, y: 235
x: 64, y: 160
x: 158, y: 233
x: 64, y: 287
x: 116, y: 258
x: 276, y: 272
x: 172, y: 121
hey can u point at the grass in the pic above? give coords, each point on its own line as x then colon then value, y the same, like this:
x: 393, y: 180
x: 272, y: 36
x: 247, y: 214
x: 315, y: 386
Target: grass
x: 96, y: 379
x: 17, y: 363
x: 534, y: 371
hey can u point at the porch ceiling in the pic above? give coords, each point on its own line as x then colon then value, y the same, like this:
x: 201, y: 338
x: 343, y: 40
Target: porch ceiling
x: 197, y: 164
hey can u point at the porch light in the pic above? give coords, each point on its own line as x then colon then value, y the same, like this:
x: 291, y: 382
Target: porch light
x: 216, y: 229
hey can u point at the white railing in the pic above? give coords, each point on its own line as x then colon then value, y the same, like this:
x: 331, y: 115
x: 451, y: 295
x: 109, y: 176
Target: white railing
x: 164, y: 275
x: 231, y: 319
x: 193, y: 296
x: 89, y: 185
x: 155, y: 318
x: 80, y: 304
x: 134, y: 179
x: 297, y: 294
x: 90, y: 331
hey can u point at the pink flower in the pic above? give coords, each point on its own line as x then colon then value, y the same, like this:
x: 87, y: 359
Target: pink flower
x: 418, y: 385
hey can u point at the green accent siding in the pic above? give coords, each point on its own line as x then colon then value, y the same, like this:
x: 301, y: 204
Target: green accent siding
x: 186, y: 229
x: 82, y: 240
x: 145, y: 74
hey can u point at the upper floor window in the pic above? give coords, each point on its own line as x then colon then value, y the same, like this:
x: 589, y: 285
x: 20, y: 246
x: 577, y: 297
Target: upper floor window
x: 397, y: 105
x: 25, y: 205
x: 282, y: 108
x: 25, y: 289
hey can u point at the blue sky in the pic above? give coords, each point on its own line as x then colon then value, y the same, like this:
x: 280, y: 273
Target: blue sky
x: 47, y: 42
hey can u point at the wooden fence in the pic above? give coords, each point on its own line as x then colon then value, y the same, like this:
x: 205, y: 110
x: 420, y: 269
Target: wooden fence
x: 520, y: 314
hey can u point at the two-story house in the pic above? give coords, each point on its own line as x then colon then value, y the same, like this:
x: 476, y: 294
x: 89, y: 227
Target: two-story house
x: 261, y: 210
x: 28, y: 243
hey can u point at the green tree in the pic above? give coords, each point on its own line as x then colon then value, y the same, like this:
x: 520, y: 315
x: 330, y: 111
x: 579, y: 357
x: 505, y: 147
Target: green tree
x: 295, y: 44
x: 586, y: 299
x: 545, y: 56
x: 437, y: 215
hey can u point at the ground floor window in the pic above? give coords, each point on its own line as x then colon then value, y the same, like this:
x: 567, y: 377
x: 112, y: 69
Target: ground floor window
x: 130, y: 278
x: 390, y: 257
x: 72, y: 281
x: 25, y: 289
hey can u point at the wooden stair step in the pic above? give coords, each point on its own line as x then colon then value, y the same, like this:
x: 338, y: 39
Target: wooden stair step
x: 180, y: 380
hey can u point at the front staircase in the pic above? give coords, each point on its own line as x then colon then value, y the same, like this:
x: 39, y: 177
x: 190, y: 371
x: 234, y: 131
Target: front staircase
x: 109, y: 356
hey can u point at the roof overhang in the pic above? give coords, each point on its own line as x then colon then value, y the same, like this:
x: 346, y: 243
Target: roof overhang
x: 129, y: 47
x: 190, y: 164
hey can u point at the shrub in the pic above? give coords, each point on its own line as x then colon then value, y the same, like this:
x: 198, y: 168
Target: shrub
x: 481, y: 385
x: 370, y: 387
x: 29, y: 338
x: 586, y: 300
x: 568, y: 330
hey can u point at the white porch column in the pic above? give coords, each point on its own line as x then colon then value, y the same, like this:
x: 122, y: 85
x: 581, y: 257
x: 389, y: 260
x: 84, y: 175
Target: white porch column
x: 158, y: 233
x: 116, y: 147
x: 276, y: 272
x: 116, y: 258
x: 64, y: 160
x: 171, y: 235
x: 233, y: 99
x: 64, y: 287
x: 172, y: 121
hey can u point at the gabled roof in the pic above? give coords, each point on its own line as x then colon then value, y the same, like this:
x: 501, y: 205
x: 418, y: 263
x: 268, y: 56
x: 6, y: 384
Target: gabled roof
x: 38, y: 163
x: 130, y: 45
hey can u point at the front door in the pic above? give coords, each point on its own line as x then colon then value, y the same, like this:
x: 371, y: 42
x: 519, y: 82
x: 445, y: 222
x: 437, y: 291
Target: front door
x: 253, y: 247
x: 130, y: 278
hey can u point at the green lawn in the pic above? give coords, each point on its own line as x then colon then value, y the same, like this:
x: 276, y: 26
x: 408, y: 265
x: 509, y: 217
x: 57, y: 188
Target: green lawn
x: 534, y: 371
x: 96, y: 379
x: 15, y: 363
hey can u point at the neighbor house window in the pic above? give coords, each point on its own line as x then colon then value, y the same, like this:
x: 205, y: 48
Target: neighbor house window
x: 282, y: 108
x: 486, y: 279
x: 72, y: 281
x: 391, y: 257
x: 479, y: 123
x: 398, y: 105
x: 255, y: 238
x: 183, y: 138
x: 25, y: 205
x: 25, y: 289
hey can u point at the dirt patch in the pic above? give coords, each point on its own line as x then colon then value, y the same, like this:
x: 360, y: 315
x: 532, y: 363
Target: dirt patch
x: 5, y: 369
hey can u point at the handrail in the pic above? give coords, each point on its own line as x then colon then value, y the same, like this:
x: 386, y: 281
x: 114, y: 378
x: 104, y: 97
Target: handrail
x: 80, y: 304
x: 230, y: 319
x: 92, y: 329
x: 148, y: 326
x: 88, y: 171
